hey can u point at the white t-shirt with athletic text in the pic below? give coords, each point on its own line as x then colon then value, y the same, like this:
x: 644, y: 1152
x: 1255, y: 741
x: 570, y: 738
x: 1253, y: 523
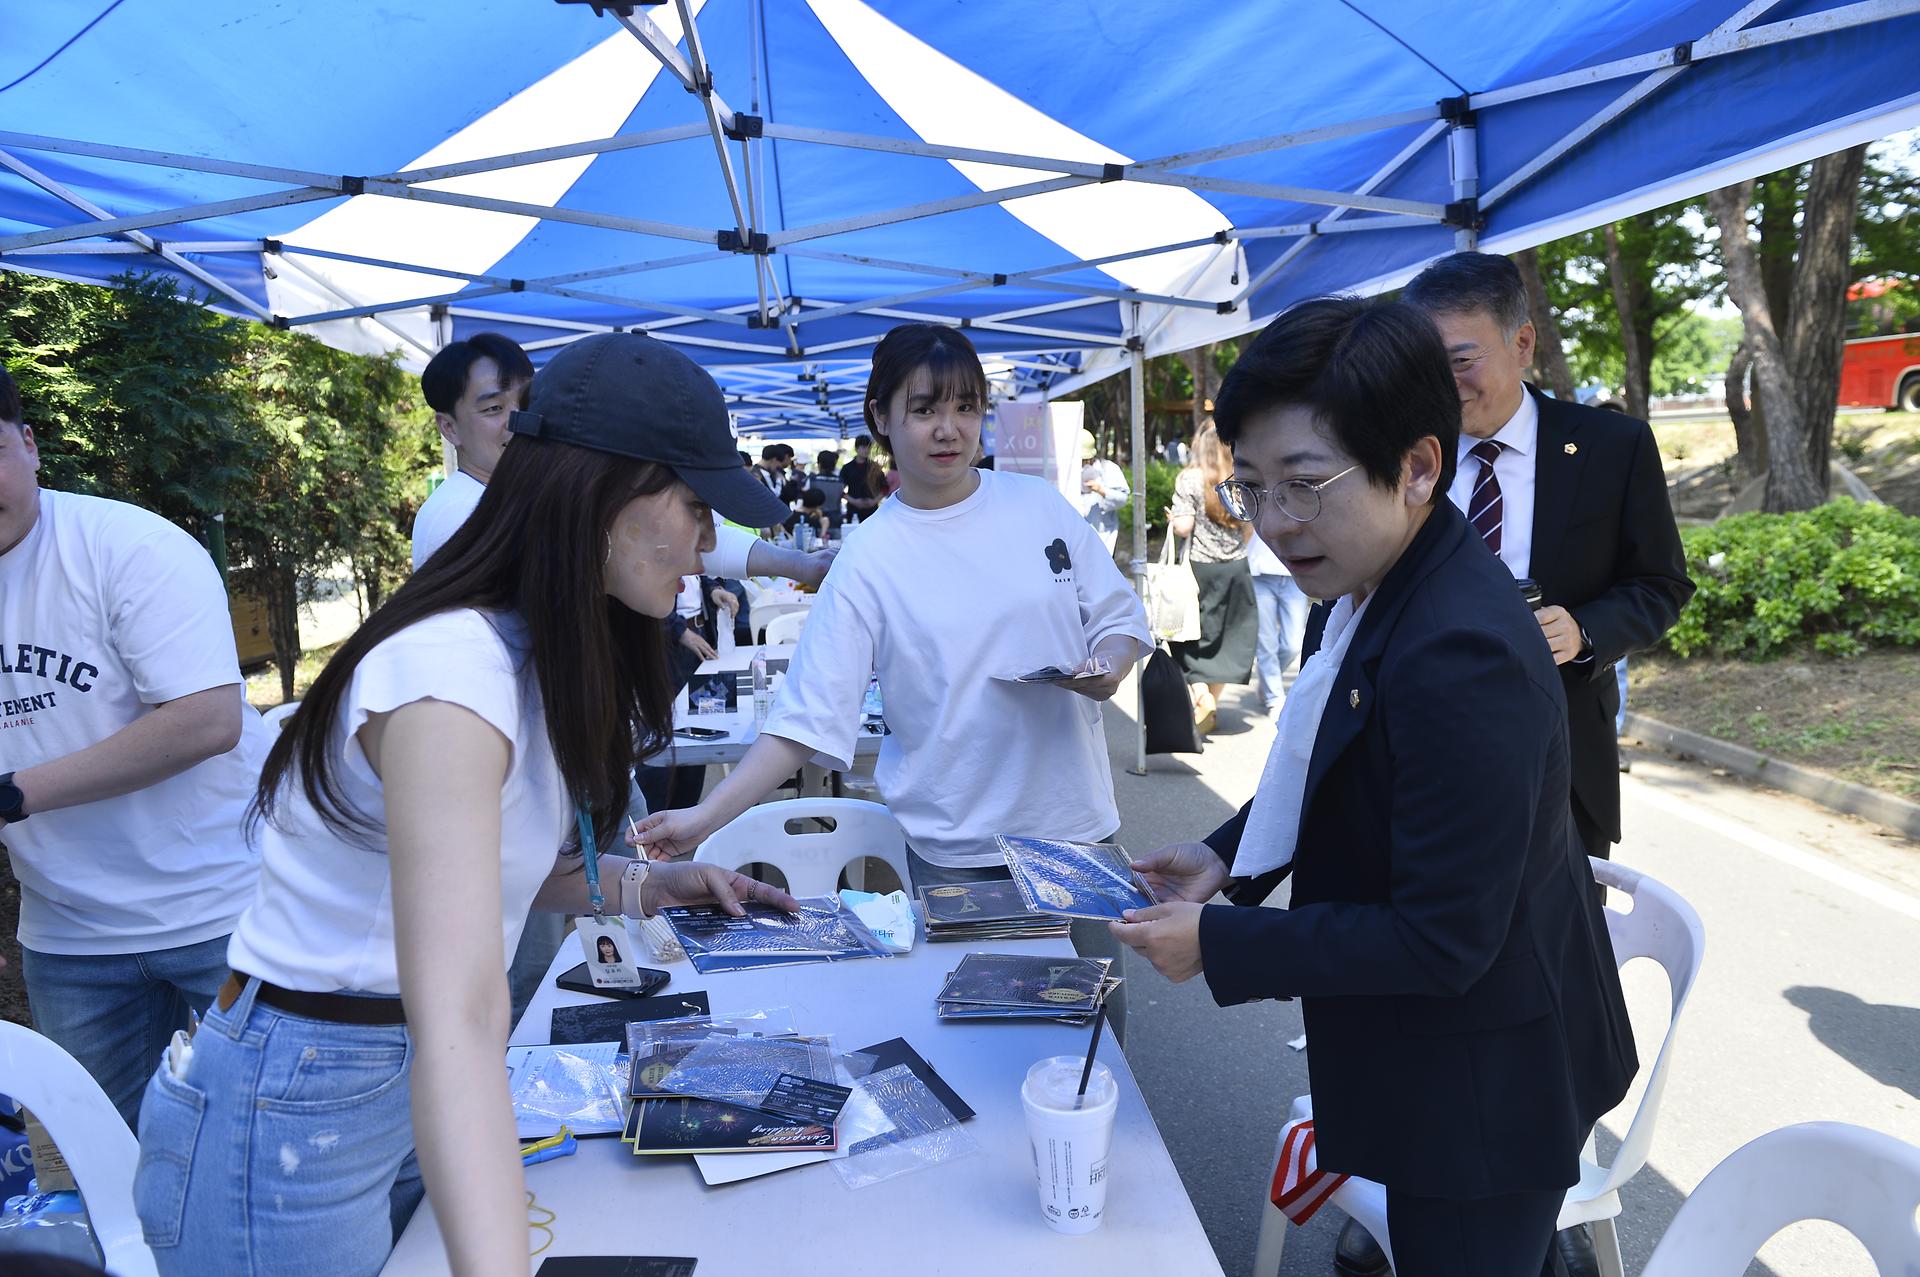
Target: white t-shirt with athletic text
x: 442, y: 513
x: 937, y: 603
x: 322, y: 918
x: 106, y: 611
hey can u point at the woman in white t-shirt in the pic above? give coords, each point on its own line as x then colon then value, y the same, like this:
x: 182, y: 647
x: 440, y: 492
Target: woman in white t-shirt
x: 961, y: 580
x: 411, y: 814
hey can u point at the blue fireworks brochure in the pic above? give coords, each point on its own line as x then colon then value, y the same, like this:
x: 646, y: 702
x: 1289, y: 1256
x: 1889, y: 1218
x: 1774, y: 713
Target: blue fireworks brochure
x: 992, y: 982
x: 1075, y: 879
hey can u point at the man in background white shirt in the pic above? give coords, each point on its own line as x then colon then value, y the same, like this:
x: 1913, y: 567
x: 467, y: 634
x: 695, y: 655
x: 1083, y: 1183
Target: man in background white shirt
x: 472, y: 387
x: 127, y: 758
x: 1103, y: 490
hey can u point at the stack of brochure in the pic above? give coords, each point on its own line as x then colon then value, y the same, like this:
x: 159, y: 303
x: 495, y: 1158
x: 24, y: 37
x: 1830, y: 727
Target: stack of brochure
x: 985, y: 911
x: 1018, y: 986
x: 708, y: 1084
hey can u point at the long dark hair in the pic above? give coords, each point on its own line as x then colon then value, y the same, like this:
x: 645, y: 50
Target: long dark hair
x: 946, y: 354
x: 534, y: 546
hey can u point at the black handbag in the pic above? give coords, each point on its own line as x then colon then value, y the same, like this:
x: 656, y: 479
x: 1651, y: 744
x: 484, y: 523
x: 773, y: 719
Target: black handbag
x: 1167, y: 706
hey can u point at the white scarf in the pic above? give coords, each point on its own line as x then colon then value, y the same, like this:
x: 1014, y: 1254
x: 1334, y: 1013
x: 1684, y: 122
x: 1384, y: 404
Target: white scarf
x: 1273, y: 826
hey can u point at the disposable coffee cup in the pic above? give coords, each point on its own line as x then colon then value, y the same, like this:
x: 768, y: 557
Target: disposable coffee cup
x: 1070, y: 1144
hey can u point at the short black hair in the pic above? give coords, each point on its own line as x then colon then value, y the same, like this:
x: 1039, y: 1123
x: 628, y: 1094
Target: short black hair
x: 745, y: 459
x: 1375, y: 374
x: 862, y: 441
x: 445, y: 378
x: 10, y: 410
x: 946, y: 354
x: 770, y: 453
x: 813, y: 498
x: 1460, y: 283
x: 828, y: 460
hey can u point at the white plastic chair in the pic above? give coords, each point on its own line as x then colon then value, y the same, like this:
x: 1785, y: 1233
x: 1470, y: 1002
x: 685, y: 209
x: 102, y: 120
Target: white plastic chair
x: 811, y: 860
x: 1662, y: 926
x: 785, y: 628
x: 100, y: 1150
x: 277, y: 717
x: 1864, y: 1181
x: 766, y: 614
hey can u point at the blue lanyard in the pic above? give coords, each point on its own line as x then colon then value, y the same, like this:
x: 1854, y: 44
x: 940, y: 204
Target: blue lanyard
x: 590, y: 853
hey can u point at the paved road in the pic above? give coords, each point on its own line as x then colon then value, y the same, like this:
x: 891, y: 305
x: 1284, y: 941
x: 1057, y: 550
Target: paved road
x: 1808, y: 1006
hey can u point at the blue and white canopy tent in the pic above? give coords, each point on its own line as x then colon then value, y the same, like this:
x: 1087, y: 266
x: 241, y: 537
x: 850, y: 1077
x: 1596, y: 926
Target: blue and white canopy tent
x: 774, y: 185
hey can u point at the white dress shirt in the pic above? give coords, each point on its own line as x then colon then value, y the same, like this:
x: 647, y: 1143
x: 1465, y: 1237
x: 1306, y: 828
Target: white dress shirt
x: 1519, y: 437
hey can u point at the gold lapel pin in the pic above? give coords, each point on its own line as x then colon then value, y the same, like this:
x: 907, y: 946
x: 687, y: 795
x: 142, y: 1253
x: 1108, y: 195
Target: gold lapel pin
x: 1353, y: 698
x: 1572, y: 448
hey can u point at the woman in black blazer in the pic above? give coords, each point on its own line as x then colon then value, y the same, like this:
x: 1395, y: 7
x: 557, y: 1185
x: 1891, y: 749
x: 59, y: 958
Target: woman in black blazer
x: 1458, y: 986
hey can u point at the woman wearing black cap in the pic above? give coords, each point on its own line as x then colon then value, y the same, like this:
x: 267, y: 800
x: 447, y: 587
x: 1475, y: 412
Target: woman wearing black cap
x: 411, y: 810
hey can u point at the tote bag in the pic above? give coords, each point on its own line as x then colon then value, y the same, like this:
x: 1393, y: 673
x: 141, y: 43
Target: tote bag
x: 1173, y: 597
x: 1166, y: 707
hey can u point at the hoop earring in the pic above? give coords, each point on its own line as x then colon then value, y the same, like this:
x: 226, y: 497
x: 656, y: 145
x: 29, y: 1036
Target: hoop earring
x: 606, y: 561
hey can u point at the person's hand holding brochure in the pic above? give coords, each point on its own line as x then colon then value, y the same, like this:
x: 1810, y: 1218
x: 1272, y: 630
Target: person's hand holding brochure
x: 1075, y: 879
x: 1091, y: 668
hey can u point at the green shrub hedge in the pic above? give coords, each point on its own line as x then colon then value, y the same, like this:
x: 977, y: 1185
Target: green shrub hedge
x: 1160, y: 477
x: 1845, y: 576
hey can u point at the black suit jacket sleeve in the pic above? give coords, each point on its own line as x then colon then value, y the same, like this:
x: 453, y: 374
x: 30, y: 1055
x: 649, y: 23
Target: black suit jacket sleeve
x: 1650, y: 582
x: 1225, y: 840
x: 1468, y: 748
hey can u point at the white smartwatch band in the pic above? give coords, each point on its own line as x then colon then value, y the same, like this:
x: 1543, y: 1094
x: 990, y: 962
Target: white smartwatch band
x: 630, y: 879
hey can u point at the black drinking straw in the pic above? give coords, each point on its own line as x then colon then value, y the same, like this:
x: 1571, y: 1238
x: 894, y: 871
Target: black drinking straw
x: 1093, y: 1045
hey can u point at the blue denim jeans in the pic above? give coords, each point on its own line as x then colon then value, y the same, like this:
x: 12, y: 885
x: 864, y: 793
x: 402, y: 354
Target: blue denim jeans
x: 114, y: 1012
x: 285, y: 1150
x: 1283, y: 626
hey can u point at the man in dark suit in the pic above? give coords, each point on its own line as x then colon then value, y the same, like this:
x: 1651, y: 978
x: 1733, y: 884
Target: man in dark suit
x: 1457, y: 981
x: 1573, y: 498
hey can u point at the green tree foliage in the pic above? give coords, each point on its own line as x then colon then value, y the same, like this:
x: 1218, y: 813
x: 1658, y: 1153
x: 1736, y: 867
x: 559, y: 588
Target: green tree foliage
x: 315, y: 457
x: 339, y: 439
x: 129, y: 392
x: 1693, y: 351
x: 1843, y: 576
x: 1662, y: 256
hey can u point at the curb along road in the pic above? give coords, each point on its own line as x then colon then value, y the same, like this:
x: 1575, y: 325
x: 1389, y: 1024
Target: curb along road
x: 1829, y: 791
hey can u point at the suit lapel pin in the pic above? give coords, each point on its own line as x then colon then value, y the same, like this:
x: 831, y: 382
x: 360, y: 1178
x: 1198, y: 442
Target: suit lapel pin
x: 1571, y: 448
x: 1353, y: 698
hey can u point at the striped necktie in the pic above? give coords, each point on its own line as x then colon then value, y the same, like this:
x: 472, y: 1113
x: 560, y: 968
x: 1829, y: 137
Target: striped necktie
x: 1485, y: 510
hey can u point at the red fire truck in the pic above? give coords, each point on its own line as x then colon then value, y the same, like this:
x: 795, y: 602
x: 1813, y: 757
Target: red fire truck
x: 1881, y: 372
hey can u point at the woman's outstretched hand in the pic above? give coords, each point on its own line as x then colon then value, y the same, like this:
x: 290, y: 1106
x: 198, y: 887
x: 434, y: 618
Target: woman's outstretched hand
x: 688, y: 883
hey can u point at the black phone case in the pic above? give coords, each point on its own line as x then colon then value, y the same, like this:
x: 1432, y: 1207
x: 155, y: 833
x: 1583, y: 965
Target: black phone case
x: 576, y: 980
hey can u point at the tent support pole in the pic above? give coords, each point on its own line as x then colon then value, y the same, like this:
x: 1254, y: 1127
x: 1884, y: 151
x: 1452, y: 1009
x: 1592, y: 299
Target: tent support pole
x: 1463, y: 166
x: 1137, y: 410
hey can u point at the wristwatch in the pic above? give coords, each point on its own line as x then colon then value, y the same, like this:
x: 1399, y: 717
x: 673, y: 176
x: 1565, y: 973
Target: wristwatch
x: 630, y: 879
x: 11, y: 801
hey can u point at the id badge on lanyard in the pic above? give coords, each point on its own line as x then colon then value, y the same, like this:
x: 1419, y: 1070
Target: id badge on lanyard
x: 603, y: 940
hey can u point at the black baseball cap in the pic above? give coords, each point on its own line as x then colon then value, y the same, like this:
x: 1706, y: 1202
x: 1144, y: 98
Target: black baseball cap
x: 634, y: 396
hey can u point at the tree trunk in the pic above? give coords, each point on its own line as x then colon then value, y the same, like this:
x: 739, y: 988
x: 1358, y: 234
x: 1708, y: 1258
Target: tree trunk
x: 1777, y: 197
x: 283, y: 623
x: 1749, y: 428
x: 1629, y: 305
x: 1206, y: 382
x: 1551, y: 351
x: 1816, y: 324
x: 1791, y: 483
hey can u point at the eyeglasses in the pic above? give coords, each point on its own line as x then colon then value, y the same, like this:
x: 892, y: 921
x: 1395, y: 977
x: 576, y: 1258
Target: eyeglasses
x: 1298, y: 499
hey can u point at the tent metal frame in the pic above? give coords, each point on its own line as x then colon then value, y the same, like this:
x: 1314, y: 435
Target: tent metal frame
x: 744, y: 185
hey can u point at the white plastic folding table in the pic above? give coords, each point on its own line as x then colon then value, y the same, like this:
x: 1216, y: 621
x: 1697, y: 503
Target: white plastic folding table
x: 976, y: 1214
